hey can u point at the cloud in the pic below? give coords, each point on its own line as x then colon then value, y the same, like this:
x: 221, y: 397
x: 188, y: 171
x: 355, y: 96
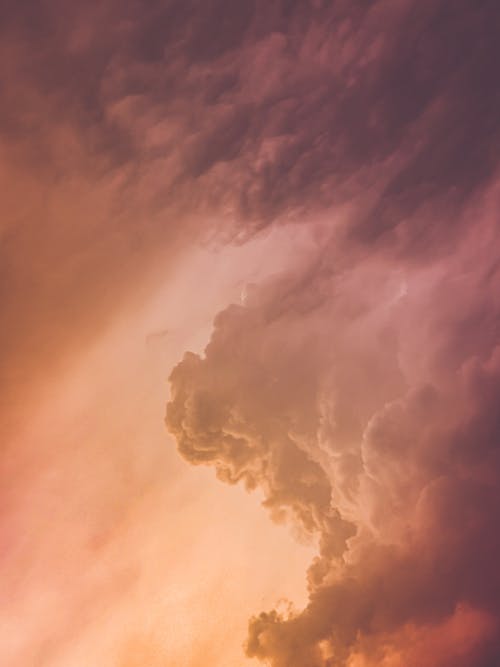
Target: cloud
x: 128, y: 131
x: 366, y: 414
x: 358, y: 390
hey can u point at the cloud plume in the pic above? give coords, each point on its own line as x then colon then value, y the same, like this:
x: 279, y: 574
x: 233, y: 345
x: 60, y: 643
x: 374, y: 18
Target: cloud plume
x: 368, y: 415
x: 357, y: 390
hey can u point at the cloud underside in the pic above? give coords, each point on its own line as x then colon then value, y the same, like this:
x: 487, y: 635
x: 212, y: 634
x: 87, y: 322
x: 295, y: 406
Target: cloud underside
x: 129, y: 130
x: 358, y: 390
x: 368, y: 419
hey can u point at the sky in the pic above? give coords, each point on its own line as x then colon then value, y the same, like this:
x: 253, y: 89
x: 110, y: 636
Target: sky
x: 249, y: 333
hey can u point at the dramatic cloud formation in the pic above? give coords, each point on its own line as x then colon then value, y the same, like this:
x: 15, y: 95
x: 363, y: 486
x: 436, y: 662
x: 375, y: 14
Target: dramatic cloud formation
x: 364, y: 402
x: 360, y: 390
x: 122, y: 122
x: 357, y: 389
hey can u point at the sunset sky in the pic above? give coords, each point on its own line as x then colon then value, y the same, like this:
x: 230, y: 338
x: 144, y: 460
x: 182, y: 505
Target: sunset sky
x: 250, y: 333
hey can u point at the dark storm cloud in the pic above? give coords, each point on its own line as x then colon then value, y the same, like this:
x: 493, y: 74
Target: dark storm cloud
x: 298, y: 105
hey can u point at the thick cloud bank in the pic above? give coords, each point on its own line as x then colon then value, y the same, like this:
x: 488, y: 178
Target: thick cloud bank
x: 364, y: 403
x: 360, y: 391
x: 127, y: 128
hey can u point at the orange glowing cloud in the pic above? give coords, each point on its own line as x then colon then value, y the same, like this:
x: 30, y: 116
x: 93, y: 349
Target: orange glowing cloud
x: 291, y: 210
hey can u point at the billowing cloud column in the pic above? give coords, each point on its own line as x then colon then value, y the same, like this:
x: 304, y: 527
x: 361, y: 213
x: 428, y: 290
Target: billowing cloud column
x: 363, y: 401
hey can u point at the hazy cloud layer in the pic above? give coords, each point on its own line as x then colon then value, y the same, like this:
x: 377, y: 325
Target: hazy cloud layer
x: 121, y: 122
x: 359, y: 390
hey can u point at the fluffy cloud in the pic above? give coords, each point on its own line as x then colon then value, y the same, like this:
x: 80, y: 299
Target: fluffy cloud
x: 359, y: 390
x: 365, y: 409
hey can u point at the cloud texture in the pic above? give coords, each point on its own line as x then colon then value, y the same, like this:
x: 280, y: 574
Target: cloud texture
x: 124, y: 123
x: 364, y: 403
x: 358, y: 389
